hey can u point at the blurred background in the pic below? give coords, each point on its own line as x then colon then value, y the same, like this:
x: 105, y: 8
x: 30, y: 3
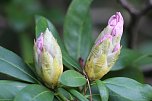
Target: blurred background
x: 17, y: 28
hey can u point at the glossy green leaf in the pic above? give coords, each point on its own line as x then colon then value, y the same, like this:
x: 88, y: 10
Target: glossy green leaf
x: 147, y: 91
x: 126, y: 58
x: 96, y: 97
x: 145, y: 47
x: 41, y: 25
x: 131, y: 58
x: 9, y: 89
x: 34, y: 92
x: 77, y: 29
x: 72, y: 78
x: 129, y: 72
x: 144, y: 59
x: 104, y: 94
x: 125, y: 89
x: 78, y: 95
x: 26, y: 44
x: 13, y: 65
x: 65, y: 94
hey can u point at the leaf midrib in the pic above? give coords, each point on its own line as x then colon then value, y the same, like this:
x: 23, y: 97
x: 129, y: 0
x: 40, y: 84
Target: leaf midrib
x: 18, y: 68
x: 39, y: 95
x: 123, y: 87
x: 117, y: 85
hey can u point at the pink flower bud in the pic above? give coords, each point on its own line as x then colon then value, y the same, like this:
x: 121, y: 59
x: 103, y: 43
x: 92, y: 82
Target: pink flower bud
x: 106, y: 49
x: 48, y: 59
x: 116, y: 23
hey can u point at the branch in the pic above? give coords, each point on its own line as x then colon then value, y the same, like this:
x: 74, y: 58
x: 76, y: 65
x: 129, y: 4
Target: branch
x: 89, y: 89
x: 88, y: 83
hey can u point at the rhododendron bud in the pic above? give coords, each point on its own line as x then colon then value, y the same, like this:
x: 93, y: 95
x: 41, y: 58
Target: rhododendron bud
x: 48, y: 59
x: 106, y: 49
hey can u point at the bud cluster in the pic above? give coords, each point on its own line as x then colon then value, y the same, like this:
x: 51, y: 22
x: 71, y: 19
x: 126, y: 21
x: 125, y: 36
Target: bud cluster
x: 104, y: 53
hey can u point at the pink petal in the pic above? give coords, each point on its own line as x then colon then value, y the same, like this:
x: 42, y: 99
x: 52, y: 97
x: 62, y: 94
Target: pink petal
x: 116, y: 23
x: 104, y: 38
x: 39, y: 43
x: 116, y: 48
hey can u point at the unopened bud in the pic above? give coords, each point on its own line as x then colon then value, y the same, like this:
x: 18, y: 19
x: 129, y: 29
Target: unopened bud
x: 106, y: 49
x: 48, y: 59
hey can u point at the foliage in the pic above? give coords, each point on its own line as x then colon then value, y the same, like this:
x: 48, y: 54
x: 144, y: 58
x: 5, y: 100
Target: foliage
x: 23, y: 83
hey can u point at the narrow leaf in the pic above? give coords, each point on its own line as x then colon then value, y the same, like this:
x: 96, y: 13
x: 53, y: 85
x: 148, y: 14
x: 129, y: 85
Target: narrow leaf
x: 78, y: 95
x: 9, y: 89
x: 77, y: 29
x: 132, y: 58
x: 125, y: 89
x: 147, y: 92
x: 41, y: 25
x: 126, y: 58
x: 13, y: 65
x: 104, y: 94
x: 26, y: 45
x: 143, y: 59
x: 65, y: 93
x: 72, y: 78
x: 34, y: 92
x: 129, y: 72
x: 95, y: 92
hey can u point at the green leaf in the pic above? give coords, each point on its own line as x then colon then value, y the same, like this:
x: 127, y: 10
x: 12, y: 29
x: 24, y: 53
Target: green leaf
x: 41, y: 25
x: 147, y: 91
x: 72, y: 78
x: 13, y: 65
x: 126, y: 58
x: 95, y: 92
x: 145, y: 47
x: 144, y: 59
x: 65, y: 94
x: 96, y: 97
x: 26, y: 45
x: 129, y: 72
x: 125, y: 89
x: 131, y: 58
x: 78, y: 95
x: 77, y: 29
x: 104, y: 94
x: 9, y: 89
x: 34, y: 92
